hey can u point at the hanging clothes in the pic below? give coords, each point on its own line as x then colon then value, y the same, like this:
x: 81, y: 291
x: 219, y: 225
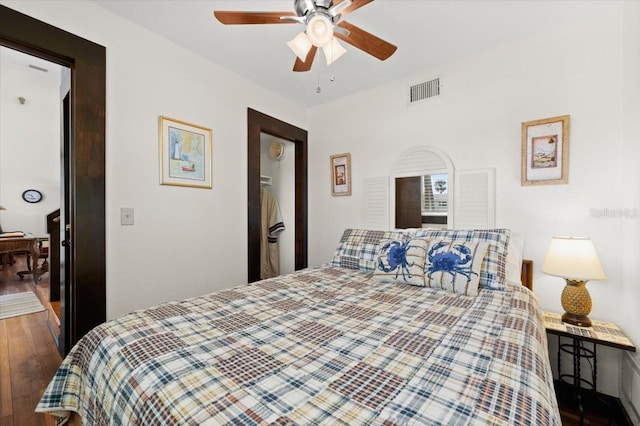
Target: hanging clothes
x: 271, y: 225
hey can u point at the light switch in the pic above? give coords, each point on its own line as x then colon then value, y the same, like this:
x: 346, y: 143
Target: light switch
x: 126, y: 216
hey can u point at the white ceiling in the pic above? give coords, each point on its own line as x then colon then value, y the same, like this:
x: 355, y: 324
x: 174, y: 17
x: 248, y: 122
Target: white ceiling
x: 24, y: 62
x: 428, y: 34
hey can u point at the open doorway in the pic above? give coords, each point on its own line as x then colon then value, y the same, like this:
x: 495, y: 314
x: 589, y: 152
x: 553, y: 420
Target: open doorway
x: 82, y: 224
x: 261, y: 127
x: 32, y: 117
x: 30, y: 112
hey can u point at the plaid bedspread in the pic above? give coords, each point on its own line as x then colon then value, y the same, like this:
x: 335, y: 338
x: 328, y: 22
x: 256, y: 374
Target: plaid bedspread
x: 323, y: 346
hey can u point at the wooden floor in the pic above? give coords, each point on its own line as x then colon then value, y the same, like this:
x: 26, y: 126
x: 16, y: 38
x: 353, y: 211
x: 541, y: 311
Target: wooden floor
x: 570, y: 418
x: 600, y: 410
x: 28, y: 355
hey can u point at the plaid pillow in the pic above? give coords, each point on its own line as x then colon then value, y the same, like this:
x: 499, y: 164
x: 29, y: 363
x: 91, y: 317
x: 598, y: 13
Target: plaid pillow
x: 358, y: 248
x: 493, y: 272
x: 455, y: 266
x: 402, y: 260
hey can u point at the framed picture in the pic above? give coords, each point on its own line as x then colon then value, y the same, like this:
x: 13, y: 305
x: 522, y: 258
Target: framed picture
x: 545, y: 151
x: 185, y: 154
x: 341, y: 174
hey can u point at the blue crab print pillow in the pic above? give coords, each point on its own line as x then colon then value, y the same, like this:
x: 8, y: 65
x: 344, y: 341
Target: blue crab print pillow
x: 455, y: 265
x: 402, y: 260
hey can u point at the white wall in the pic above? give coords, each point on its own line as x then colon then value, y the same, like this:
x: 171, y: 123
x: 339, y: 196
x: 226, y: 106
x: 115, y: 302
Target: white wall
x: 477, y: 122
x: 185, y: 241
x: 630, y: 197
x: 29, y: 142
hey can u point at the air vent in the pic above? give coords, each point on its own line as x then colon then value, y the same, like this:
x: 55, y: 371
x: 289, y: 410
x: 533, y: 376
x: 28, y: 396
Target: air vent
x: 38, y: 68
x: 421, y: 91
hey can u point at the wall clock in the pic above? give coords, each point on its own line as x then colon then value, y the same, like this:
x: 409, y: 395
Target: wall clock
x: 32, y: 196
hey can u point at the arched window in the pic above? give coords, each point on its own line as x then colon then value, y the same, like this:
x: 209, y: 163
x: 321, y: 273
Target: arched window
x: 421, y: 189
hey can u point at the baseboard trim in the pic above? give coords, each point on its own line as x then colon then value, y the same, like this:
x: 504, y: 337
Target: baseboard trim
x: 603, y: 405
x: 627, y: 379
x: 53, y: 324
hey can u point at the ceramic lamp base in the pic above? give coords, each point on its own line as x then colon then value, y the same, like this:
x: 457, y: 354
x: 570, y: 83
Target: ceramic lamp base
x: 575, y: 319
x: 576, y: 302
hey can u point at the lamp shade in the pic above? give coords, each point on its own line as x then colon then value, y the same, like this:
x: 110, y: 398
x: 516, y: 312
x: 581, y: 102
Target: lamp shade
x: 300, y: 46
x: 333, y: 51
x: 319, y: 30
x: 573, y: 258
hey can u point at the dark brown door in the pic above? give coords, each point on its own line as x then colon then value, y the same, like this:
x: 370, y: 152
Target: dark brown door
x: 64, y: 340
x: 408, y: 202
x: 84, y: 268
x: 262, y: 123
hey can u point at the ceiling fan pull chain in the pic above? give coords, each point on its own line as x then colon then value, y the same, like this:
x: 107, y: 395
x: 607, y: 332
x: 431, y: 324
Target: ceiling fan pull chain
x: 333, y: 77
x: 318, y: 89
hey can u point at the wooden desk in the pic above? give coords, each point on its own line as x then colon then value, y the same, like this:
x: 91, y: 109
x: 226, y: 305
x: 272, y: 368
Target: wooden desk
x: 20, y: 244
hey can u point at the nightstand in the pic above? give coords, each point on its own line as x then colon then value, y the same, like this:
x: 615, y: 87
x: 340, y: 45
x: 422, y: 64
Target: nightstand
x: 600, y: 333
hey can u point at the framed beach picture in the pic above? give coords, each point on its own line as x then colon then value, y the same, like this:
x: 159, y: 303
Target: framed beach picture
x: 185, y: 154
x: 545, y: 151
x: 341, y: 174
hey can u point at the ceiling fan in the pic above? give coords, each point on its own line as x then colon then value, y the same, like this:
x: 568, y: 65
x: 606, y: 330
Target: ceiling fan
x: 323, y: 25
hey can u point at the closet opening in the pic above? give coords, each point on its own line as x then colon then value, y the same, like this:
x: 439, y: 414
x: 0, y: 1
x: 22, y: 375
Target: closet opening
x: 292, y: 190
x: 277, y: 206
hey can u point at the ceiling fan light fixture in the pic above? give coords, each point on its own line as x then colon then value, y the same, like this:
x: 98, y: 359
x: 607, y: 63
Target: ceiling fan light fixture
x: 333, y: 51
x: 319, y: 30
x: 300, y: 45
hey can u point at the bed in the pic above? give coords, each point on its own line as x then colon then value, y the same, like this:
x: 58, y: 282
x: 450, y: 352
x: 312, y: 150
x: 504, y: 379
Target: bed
x: 354, y: 341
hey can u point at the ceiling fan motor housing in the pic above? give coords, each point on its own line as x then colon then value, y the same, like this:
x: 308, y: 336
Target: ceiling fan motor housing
x: 302, y: 7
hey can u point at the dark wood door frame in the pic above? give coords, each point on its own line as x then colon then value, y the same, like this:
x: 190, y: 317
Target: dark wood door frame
x: 85, y: 293
x: 262, y: 123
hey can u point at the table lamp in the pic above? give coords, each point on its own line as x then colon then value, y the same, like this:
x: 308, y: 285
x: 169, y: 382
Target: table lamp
x: 575, y: 260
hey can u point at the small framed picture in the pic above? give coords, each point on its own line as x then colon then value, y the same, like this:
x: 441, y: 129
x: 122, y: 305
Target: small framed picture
x: 341, y: 174
x: 185, y: 154
x: 545, y: 151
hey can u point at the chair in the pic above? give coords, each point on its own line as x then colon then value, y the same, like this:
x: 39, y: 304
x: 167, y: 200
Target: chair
x: 5, y: 258
x: 44, y: 254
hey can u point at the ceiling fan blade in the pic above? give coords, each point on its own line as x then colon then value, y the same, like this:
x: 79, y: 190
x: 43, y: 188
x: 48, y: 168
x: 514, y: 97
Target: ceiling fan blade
x: 300, y: 66
x: 337, y: 8
x: 365, y: 41
x: 236, y: 17
x: 355, y: 4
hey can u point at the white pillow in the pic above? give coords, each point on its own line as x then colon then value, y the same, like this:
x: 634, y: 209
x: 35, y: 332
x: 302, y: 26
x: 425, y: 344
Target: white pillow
x: 515, y: 253
x: 402, y: 260
x: 493, y: 270
x: 455, y: 265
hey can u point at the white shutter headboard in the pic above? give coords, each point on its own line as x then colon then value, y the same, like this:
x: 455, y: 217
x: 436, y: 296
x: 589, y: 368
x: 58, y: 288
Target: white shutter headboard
x: 377, y: 202
x: 474, y: 194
